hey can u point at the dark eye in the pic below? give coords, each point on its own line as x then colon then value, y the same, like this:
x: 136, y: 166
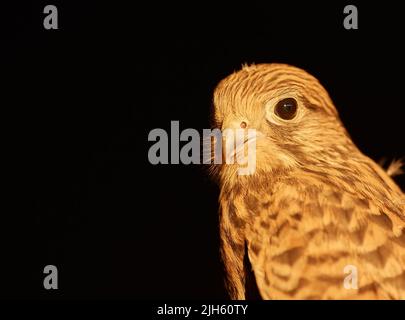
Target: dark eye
x: 286, y: 109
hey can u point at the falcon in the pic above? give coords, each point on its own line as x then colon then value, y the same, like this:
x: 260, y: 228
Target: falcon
x: 317, y: 219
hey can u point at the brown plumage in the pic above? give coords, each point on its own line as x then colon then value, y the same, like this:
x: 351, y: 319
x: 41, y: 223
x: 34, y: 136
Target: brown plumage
x: 315, y: 203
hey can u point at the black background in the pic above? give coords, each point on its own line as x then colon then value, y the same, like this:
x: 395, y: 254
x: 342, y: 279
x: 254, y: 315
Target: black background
x: 80, y: 193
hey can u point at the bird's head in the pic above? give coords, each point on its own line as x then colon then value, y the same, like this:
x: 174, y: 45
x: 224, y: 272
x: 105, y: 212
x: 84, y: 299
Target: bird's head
x: 293, y: 115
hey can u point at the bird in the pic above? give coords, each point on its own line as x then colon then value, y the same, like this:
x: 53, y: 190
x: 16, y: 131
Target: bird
x: 317, y: 219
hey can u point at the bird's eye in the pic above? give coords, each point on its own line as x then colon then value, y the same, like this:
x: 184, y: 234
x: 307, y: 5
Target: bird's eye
x: 286, y: 109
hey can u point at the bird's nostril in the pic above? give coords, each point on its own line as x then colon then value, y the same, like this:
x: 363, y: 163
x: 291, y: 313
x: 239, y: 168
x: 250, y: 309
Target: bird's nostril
x: 243, y: 124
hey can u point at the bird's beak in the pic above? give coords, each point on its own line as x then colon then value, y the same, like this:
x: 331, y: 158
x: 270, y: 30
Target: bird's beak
x: 239, y: 143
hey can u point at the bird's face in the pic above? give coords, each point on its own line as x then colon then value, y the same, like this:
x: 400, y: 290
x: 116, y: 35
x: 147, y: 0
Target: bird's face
x: 294, y: 118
